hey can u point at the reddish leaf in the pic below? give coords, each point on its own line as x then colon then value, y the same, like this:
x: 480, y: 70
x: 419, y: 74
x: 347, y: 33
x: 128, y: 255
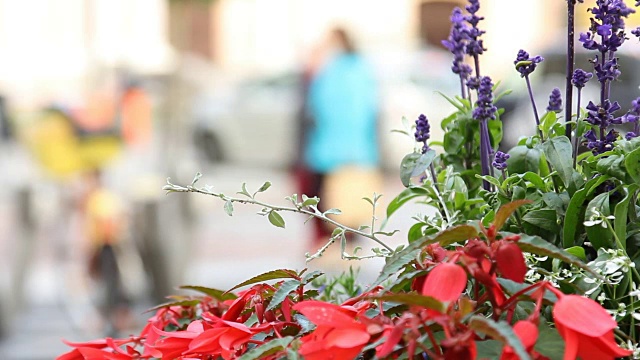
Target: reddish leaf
x: 505, y: 212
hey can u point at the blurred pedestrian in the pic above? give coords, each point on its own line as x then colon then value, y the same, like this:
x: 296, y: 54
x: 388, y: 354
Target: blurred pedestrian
x: 104, y: 228
x: 342, y: 137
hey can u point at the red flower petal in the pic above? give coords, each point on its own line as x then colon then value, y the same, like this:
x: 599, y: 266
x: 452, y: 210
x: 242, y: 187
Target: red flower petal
x: 511, y: 261
x: 324, y: 314
x: 583, y: 315
x: 601, y: 348
x: 527, y: 332
x: 445, y: 282
x: 347, y: 338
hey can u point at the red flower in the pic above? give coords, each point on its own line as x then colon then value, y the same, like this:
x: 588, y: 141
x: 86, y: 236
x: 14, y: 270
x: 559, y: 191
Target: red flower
x: 587, y: 329
x: 511, y: 261
x: 338, y: 335
x: 528, y: 334
x: 445, y: 282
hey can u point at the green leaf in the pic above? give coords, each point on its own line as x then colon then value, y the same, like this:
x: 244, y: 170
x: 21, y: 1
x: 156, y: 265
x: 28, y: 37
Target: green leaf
x: 402, y: 198
x: 546, y: 219
x: 632, y: 164
x: 268, y: 348
x: 264, y: 186
x: 414, y: 299
x: 547, y: 122
x: 228, y: 207
x: 523, y: 159
x: 505, y: 212
x: 500, y: 331
x: 188, y: 303
x: 452, y: 235
x: 621, y: 211
x: 537, y: 245
x: 415, y: 232
x: 559, y: 152
x: 271, y: 275
x: 573, y: 217
x: 577, y: 251
x: 597, y: 235
x: 309, y: 201
x: 283, y: 291
x: 550, y: 343
x: 415, y: 164
x: 612, y: 165
x: 244, y: 190
x: 214, y: 293
x: 332, y: 211
x: 535, y: 179
x: 451, y: 101
x: 397, y: 261
x: 310, y: 276
x: 489, y: 349
x: 276, y: 219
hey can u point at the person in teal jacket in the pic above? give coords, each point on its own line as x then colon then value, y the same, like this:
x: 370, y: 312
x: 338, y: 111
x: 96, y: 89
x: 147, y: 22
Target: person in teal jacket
x: 343, y: 105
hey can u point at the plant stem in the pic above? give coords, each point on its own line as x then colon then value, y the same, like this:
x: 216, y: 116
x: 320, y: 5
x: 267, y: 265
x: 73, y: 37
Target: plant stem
x: 533, y: 103
x: 570, y: 64
x: 576, y: 138
x: 485, y: 163
x: 316, y: 213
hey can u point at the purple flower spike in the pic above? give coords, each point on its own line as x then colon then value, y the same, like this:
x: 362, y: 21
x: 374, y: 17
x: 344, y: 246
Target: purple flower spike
x: 603, y: 115
x: 555, y: 101
x: 474, y: 46
x: 525, y: 64
x: 580, y: 78
x: 456, y: 43
x: 423, y: 131
x: 500, y: 160
x: 485, y: 109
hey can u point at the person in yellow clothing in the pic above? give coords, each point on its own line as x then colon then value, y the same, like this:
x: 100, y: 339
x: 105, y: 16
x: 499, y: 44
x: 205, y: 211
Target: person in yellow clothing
x: 104, y: 228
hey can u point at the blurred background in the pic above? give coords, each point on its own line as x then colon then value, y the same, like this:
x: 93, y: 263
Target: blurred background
x: 102, y: 100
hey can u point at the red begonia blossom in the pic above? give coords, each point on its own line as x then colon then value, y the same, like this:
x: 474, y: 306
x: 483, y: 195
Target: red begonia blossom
x: 338, y: 336
x: 445, y: 282
x: 510, y: 261
x: 587, y: 329
x: 528, y: 334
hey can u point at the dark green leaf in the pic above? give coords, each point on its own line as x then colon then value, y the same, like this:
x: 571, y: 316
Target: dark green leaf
x: 559, y: 152
x: 398, y: 260
x: 550, y: 343
x: 573, y: 217
x: 632, y: 164
x: 271, y: 275
x: 500, y: 331
x: 415, y: 232
x: 452, y: 235
x: 506, y: 211
x: 621, y: 211
x: 214, y: 293
x: 267, y: 348
x: 489, y: 349
x: 535, y: 179
x: 523, y: 159
x: 537, y: 245
x: 310, y: 276
x: 546, y: 219
x: 276, y: 219
x: 414, y: 299
x: 283, y: 291
x: 613, y: 165
x: 188, y: 303
x: 406, y: 195
x: 547, y: 122
x: 598, y: 235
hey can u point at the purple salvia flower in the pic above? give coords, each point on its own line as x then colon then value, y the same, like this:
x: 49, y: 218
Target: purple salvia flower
x: 603, y: 115
x: 526, y: 64
x: 607, y: 71
x: 483, y: 112
x: 500, y: 160
x: 604, y: 144
x: 422, y: 133
x: 636, y: 32
x: 456, y: 43
x: 580, y: 78
x: 474, y: 46
x: 555, y: 101
x: 633, y: 117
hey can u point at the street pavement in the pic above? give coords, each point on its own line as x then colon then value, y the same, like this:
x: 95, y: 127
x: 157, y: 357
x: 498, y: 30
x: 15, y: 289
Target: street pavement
x: 216, y: 250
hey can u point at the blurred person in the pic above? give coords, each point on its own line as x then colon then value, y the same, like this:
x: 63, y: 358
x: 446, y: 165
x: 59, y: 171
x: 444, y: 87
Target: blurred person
x: 104, y: 225
x: 340, y: 142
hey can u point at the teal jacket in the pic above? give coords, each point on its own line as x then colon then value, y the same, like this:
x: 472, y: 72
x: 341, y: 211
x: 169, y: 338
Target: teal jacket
x: 344, y: 107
